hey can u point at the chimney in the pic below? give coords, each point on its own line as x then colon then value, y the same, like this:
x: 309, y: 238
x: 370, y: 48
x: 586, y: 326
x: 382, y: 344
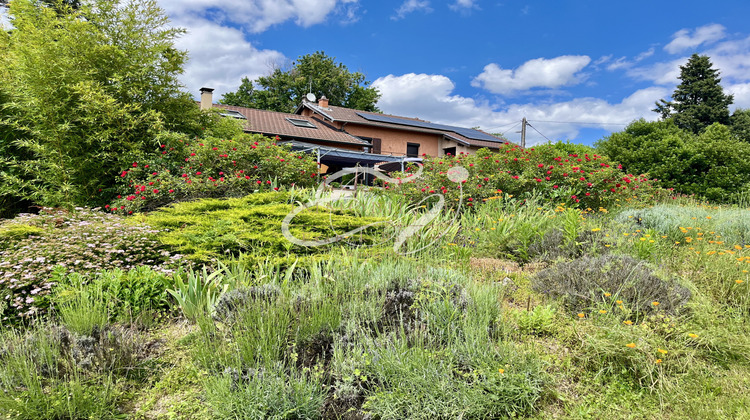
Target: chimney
x: 207, y: 98
x: 323, y: 102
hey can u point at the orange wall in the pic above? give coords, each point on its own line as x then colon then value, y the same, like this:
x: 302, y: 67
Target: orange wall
x: 353, y: 147
x: 393, y: 142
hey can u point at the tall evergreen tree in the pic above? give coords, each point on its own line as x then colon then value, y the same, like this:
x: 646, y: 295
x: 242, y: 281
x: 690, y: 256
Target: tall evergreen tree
x: 699, y: 100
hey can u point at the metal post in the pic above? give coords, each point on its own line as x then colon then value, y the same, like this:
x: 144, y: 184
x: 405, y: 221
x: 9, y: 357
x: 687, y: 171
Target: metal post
x: 523, y: 133
x: 356, y: 174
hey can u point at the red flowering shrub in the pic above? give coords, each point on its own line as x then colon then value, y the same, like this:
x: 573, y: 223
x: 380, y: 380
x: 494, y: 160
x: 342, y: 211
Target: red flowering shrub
x: 211, y: 167
x: 585, y: 180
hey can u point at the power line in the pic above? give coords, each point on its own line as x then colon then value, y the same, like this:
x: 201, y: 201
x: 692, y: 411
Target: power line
x: 540, y: 133
x: 514, y: 126
x: 580, y: 122
x: 500, y: 126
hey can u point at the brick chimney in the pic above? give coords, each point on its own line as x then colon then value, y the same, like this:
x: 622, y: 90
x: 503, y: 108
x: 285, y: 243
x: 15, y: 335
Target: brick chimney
x: 323, y: 102
x: 207, y: 98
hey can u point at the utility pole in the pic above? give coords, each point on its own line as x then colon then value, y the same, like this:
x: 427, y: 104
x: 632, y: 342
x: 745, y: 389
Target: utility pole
x: 523, y: 133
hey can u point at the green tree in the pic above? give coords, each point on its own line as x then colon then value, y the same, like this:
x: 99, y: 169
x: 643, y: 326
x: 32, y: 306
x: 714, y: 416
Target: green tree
x: 245, y: 95
x: 740, y: 124
x: 85, y: 92
x: 283, y: 90
x: 698, y: 101
x: 61, y: 6
x: 713, y: 164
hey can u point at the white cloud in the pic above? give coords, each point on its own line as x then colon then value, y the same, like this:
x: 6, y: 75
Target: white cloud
x: 602, y: 60
x: 259, y: 15
x: 430, y: 97
x: 663, y: 73
x: 539, y: 72
x: 644, y: 55
x: 732, y: 59
x: 410, y: 6
x: 620, y: 63
x: 623, y: 62
x: 741, y: 92
x: 683, y: 40
x: 463, y: 5
x: 220, y: 56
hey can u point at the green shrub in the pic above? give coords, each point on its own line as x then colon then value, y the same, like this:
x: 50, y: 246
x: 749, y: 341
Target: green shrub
x: 16, y: 231
x: 587, y: 180
x: 249, y: 228
x: 539, y: 321
x: 731, y: 225
x: 95, y: 83
x: 632, y: 351
x: 136, y: 295
x: 506, y: 228
x: 50, y: 372
x: 712, y: 164
x: 525, y: 230
x: 211, y: 167
x: 83, y: 241
x: 422, y: 383
x: 264, y: 393
x: 82, y: 308
x: 591, y: 281
x: 554, y: 245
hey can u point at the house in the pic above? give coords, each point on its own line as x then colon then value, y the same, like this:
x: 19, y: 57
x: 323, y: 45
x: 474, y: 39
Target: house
x: 344, y: 137
x: 401, y: 136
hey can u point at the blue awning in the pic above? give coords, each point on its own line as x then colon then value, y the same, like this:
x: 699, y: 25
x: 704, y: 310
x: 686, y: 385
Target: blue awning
x: 347, y: 158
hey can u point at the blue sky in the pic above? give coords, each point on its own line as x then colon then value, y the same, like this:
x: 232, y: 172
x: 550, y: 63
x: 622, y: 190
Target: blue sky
x: 577, y: 69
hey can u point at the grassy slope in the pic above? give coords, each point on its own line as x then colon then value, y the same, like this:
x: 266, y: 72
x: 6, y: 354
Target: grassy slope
x: 587, y: 368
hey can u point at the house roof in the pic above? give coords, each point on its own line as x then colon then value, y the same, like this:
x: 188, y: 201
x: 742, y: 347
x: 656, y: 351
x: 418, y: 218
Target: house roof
x: 291, y: 125
x: 461, y: 135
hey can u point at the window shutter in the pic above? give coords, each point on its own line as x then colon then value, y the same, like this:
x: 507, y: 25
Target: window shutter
x: 376, y: 143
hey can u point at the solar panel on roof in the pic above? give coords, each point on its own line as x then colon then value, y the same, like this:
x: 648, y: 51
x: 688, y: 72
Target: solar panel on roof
x: 466, y: 132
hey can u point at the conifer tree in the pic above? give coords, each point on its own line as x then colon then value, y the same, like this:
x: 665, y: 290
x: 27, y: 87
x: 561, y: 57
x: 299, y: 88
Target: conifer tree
x: 699, y: 100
